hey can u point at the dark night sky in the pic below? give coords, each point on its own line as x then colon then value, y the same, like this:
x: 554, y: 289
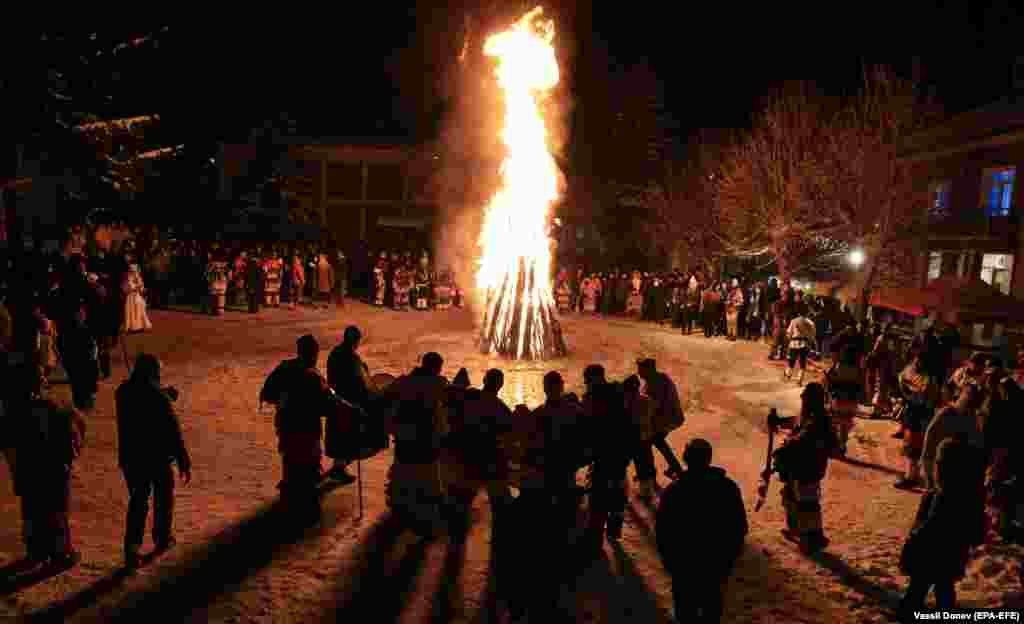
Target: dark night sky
x: 715, y: 59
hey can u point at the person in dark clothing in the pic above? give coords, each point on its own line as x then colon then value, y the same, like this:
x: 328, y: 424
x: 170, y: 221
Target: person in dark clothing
x: 80, y: 356
x: 302, y: 398
x: 950, y: 522
x: 545, y: 513
x: 349, y: 377
x: 479, y: 459
x: 610, y: 430
x: 149, y: 440
x: 48, y: 439
x: 254, y: 282
x: 700, y: 527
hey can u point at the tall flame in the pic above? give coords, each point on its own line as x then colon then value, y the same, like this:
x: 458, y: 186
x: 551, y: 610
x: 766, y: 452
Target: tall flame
x: 515, y: 263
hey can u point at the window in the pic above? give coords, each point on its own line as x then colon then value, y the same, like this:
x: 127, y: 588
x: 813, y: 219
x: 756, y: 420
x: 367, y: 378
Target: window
x: 938, y: 207
x: 934, y: 265
x: 997, y: 191
x: 996, y: 269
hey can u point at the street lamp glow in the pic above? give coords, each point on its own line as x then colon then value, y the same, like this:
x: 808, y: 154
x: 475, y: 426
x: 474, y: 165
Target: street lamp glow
x: 856, y: 257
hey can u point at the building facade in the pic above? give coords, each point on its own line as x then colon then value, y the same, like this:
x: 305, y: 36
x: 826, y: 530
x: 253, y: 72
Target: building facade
x: 379, y: 194
x: 972, y: 165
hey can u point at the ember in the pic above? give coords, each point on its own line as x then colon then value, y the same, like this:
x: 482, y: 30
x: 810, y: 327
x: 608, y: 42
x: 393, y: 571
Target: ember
x: 520, y: 321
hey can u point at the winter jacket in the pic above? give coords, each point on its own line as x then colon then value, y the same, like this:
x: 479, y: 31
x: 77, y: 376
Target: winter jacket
x: 302, y: 398
x: 668, y: 410
x: 701, y: 523
x: 554, y: 448
x: 947, y: 423
x: 349, y: 376
x: 48, y: 439
x: 148, y: 431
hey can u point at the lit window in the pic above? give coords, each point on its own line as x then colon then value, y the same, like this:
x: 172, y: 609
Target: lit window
x: 934, y: 265
x: 938, y: 208
x: 997, y: 269
x: 997, y: 191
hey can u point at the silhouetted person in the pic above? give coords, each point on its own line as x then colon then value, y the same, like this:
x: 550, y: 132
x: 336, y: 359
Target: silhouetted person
x: 668, y: 412
x: 149, y: 440
x: 349, y: 376
x: 420, y: 426
x: 700, y: 526
x: 302, y: 398
x: 950, y: 521
x: 48, y: 440
x: 609, y: 432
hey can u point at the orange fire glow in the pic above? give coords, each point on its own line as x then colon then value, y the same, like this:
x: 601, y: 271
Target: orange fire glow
x: 515, y: 263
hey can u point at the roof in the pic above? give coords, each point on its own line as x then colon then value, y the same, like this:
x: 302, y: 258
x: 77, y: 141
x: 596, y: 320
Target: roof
x: 1002, y: 118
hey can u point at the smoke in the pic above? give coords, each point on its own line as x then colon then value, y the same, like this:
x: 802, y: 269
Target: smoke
x: 470, y: 146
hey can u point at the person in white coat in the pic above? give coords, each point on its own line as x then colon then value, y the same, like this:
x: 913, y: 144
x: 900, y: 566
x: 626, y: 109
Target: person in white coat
x: 135, y: 317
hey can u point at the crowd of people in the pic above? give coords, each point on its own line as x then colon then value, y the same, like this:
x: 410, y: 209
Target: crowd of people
x: 959, y: 425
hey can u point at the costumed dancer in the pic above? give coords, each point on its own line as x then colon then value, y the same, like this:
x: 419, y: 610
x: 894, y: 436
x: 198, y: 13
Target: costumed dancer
x: 135, y: 317
x: 801, y: 335
x: 734, y: 303
x: 380, y: 273
x: 272, y: 280
x: 921, y: 392
x: 298, y: 282
x: 801, y: 464
x: 422, y: 285
x: 843, y: 382
x: 635, y: 302
x: 443, y: 290
x: 238, y: 279
x: 563, y: 292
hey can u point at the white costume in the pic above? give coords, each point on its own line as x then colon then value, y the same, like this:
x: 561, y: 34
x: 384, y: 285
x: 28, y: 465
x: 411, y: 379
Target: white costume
x: 135, y: 317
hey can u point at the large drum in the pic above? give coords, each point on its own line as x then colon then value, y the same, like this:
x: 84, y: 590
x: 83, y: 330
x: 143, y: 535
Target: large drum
x: 354, y: 434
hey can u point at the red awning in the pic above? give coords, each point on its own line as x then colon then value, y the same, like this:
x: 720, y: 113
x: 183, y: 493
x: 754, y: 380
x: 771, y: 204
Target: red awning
x: 954, y: 299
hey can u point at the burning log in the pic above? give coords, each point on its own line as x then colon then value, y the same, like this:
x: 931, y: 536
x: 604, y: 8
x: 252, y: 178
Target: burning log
x: 517, y: 328
x: 515, y: 266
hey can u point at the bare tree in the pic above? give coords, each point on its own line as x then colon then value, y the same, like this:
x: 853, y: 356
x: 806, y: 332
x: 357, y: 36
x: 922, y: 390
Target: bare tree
x: 684, y: 220
x: 879, y: 201
x: 771, y: 186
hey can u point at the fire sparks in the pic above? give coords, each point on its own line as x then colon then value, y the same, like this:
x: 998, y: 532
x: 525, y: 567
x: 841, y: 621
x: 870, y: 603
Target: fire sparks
x: 515, y: 264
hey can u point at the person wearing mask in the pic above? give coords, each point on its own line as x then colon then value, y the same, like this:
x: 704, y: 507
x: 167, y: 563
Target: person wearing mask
x: 700, y: 528
x: 149, y: 441
x: 801, y: 464
x: 921, y: 393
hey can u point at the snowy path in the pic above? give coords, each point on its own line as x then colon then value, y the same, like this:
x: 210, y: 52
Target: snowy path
x: 230, y: 567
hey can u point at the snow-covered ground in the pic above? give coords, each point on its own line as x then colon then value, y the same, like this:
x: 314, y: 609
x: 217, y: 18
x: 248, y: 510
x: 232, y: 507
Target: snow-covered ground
x: 230, y: 567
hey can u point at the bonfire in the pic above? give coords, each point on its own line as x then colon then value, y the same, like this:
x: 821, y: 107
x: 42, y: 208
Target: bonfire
x: 520, y: 319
